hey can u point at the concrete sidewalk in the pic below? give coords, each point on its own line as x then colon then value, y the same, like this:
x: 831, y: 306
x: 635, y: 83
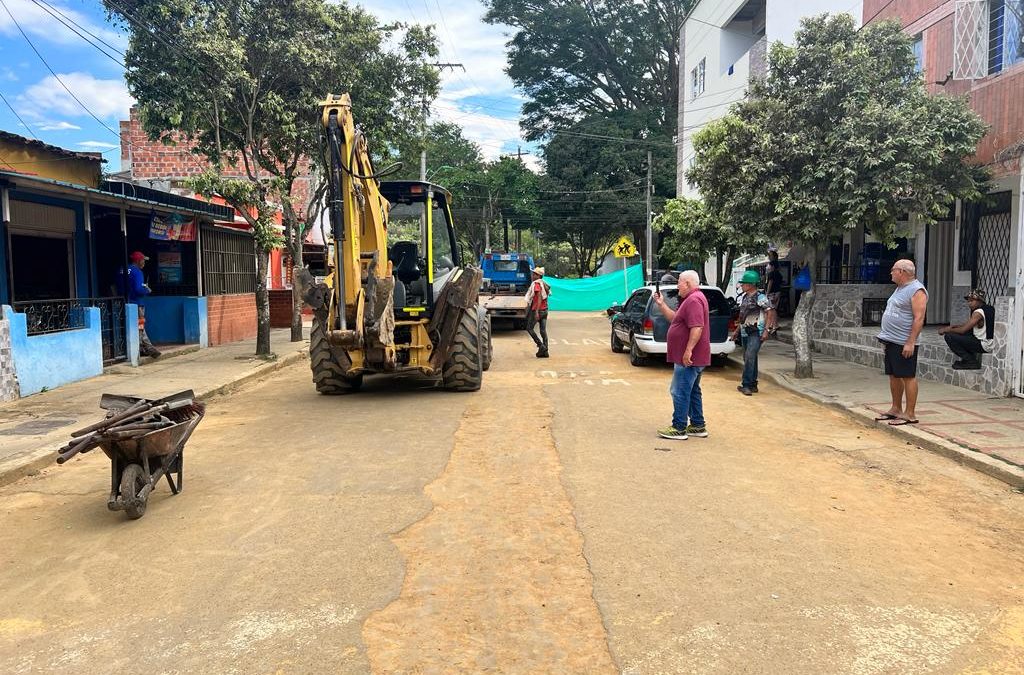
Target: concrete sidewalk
x: 972, y: 428
x: 32, y: 428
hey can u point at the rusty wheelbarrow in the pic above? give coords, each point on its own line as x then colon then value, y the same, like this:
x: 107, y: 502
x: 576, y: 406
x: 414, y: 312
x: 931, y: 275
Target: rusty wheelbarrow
x: 144, y: 439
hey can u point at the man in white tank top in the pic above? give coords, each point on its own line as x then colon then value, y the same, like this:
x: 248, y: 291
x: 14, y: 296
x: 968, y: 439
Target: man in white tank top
x: 974, y: 337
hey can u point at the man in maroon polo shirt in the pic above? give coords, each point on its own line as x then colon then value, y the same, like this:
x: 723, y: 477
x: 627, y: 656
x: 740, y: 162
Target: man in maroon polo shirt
x: 689, y: 349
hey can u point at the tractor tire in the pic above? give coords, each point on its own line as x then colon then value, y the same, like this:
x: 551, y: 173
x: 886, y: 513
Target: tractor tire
x: 486, y: 346
x: 329, y: 364
x: 463, y: 371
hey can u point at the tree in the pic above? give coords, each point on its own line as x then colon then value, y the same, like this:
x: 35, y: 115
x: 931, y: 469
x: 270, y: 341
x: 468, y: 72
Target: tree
x: 242, y: 80
x: 693, y: 235
x: 580, y: 59
x: 840, y: 133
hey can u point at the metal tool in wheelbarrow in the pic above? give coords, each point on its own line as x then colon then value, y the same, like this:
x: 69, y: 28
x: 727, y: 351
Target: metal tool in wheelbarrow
x: 136, y: 434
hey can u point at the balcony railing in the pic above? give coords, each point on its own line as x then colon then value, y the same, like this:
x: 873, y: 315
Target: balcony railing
x: 864, y: 273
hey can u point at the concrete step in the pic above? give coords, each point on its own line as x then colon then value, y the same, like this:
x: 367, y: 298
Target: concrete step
x: 933, y: 369
x: 931, y: 347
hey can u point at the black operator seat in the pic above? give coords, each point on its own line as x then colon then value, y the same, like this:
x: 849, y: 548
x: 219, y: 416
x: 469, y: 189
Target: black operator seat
x: 404, y: 257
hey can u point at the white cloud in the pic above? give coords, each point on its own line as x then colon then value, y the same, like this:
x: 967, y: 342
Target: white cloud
x: 107, y: 99
x: 97, y: 145
x: 8, y: 74
x: 57, y: 126
x: 39, y: 23
x: 481, y: 99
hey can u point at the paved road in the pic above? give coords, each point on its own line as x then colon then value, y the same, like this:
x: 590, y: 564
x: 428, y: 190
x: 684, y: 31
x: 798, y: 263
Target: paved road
x: 536, y: 526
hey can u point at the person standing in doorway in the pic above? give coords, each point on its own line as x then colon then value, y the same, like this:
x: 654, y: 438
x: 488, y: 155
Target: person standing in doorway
x: 901, y: 324
x: 751, y: 331
x: 134, y: 288
x: 537, y: 311
x: 773, y: 291
x: 689, y: 350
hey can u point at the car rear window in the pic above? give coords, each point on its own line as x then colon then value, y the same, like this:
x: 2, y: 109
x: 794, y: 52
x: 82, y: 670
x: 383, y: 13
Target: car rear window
x: 717, y: 303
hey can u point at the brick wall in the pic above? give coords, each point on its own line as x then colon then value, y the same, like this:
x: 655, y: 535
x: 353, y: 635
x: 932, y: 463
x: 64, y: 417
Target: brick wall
x: 995, y: 98
x: 281, y: 308
x: 8, y: 378
x: 231, y: 317
x: 152, y: 160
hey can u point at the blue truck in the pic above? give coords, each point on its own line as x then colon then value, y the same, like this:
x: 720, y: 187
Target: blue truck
x: 506, y: 280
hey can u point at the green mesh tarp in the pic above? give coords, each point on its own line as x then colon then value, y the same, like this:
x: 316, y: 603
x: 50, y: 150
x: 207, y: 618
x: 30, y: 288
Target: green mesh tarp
x: 596, y: 293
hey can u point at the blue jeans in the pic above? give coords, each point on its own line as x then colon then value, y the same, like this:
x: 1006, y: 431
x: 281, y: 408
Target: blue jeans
x: 686, y: 396
x: 751, y: 346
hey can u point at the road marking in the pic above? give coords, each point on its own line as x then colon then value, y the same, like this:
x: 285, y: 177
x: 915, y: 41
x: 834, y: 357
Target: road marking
x: 588, y: 378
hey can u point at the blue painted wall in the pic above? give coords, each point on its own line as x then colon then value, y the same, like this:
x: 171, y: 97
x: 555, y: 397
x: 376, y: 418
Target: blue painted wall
x: 48, y: 361
x: 175, y: 319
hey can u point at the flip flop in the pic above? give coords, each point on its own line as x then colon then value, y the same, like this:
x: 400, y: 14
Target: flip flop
x: 901, y: 422
x: 886, y: 416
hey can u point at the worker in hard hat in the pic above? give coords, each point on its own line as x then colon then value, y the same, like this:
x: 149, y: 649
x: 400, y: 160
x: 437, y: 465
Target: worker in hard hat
x: 754, y: 306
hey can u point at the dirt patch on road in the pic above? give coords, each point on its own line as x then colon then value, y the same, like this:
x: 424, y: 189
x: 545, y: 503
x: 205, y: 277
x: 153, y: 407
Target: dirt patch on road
x: 496, y: 579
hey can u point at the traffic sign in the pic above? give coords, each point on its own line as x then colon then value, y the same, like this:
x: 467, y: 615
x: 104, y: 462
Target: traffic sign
x: 624, y: 248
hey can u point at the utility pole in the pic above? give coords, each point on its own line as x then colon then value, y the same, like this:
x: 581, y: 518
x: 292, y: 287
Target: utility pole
x: 650, y: 234
x: 423, y: 122
x: 506, y: 236
x: 487, y: 229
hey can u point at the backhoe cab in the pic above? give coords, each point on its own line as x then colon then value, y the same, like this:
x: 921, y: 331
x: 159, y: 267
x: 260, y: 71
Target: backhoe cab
x: 396, y: 297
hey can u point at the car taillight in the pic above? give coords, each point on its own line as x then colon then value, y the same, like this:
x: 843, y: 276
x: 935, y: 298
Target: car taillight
x: 732, y: 326
x: 648, y: 325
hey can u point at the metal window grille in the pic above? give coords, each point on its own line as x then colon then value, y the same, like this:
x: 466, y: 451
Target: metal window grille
x: 55, y: 316
x: 985, y: 242
x: 229, y: 262
x: 871, y: 311
x: 970, y: 39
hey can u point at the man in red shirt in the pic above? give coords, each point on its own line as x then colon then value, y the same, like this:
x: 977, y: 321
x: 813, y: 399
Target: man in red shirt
x: 689, y: 348
x: 537, y: 311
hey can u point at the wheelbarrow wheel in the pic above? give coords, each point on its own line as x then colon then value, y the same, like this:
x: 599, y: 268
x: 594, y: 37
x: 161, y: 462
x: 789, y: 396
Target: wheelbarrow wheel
x: 132, y: 481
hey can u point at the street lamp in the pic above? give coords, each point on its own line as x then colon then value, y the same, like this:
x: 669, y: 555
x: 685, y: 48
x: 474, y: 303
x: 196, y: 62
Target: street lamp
x: 443, y: 166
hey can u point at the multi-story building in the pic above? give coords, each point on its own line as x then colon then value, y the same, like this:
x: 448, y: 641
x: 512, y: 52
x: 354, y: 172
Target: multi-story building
x: 971, y: 48
x: 723, y: 44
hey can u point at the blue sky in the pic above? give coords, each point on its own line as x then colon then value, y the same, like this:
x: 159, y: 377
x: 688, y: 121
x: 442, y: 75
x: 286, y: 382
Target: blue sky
x: 482, y: 100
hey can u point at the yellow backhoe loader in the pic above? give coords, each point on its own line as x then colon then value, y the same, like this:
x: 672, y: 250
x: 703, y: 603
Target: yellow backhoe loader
x: 396, y: 298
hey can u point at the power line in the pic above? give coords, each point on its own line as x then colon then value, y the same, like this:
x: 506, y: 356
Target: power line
x: 23, y: 122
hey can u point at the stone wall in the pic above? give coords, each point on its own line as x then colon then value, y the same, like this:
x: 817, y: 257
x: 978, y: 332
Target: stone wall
x: 841, y: 305
x: 8, y: 378
x: 758, y: 59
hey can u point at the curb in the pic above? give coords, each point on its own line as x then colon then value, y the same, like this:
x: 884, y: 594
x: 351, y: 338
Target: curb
x: 979, y: 461
x: 27, y: 465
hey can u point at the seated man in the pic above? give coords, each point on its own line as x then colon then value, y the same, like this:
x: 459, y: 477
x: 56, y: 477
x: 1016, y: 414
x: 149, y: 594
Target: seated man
x: 972, y: 338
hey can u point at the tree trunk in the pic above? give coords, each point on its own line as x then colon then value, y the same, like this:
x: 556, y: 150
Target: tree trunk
x: 262, y: 303
x: 802, y: 337
x: 293, y: 232
x: 730, y: 258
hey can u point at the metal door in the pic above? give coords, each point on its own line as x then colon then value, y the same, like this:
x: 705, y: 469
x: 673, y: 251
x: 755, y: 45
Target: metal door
x: 939, y: 272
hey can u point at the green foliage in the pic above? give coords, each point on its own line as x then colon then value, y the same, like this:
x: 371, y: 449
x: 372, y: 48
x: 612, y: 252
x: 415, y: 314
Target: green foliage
x: 593, y: 192
x: 249, y: 198
x: 579, y: 59
x: 691, y: 234
x: 243, y: 79
x: 840, y: 133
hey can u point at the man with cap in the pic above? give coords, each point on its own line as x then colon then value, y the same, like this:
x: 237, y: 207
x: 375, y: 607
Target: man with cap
x: 975, y: 336
x: 537, y: 311
x: 133, y: 287
x: 750, y: 332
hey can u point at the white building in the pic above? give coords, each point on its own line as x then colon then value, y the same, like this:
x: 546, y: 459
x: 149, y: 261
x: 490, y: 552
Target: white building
x: 723, y: 43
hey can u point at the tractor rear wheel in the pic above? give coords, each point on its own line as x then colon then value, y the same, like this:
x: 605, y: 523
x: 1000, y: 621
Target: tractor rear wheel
x: 463, y: 371
x: 329, y: 364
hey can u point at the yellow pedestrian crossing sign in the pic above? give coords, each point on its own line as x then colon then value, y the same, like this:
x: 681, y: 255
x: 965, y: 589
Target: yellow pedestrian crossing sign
x: 624, y: 248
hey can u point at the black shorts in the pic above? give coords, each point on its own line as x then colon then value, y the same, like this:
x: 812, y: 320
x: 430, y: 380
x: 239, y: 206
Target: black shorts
x: 898, y: 365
